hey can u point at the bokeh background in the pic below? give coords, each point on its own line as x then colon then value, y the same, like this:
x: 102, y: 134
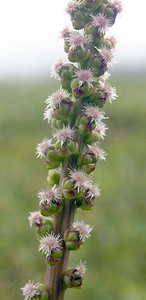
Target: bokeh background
x: 116, y: 251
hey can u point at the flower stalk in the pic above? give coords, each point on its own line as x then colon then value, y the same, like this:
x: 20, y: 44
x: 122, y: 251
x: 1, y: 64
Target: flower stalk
x: 75, y: 115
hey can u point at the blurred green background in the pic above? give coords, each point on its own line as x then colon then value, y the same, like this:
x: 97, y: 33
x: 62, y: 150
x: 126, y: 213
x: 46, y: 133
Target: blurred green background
x: 116, y: 251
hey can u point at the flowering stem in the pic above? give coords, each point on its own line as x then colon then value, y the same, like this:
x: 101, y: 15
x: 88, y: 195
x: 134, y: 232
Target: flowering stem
x: 75, y: 115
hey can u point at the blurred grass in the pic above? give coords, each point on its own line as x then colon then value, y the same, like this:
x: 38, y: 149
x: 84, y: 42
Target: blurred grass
x: 116, y: 252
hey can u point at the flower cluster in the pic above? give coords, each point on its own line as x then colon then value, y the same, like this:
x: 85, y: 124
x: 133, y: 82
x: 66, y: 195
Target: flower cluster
x: 76, y: 117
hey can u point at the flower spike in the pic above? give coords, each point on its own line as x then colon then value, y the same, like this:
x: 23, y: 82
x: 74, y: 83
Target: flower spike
x: 75, y: 113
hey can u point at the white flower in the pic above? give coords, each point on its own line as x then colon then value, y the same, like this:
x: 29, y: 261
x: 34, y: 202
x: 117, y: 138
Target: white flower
x: 100, y: 21
x: 49, y: 114
x: 35, y: 218
x: 106, y: 55
x: 64, y: 134
x: 100, y: 129
x: 79, y: 179
x: 43, y: 148
x: 117, y: 5
x: 85, y: 76
x: 92, y: 191
x: 50, y: 243
x: 93, y: 113
x: 104, y: 77
x: 47, y: 196
x: 78, y: 39
x: 83, y: 229
x: 55, y: 72
x: 30, y: 290
x: 112, y: 40
x: 99, y: 153
x: 81, y: 269
x: 72, y: 6
x: 109, y: 91
x: 56, y: 98
x: 65, y: 32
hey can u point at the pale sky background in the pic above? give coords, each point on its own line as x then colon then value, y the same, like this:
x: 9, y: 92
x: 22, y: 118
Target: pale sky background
x: 30, y: 43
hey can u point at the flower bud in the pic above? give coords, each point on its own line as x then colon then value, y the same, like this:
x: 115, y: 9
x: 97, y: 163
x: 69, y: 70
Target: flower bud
x: 72, y: 239
x: 53, y: 156
x: 77, y: 54
x: 87, y: 203
x: 63, y: 111
x: 85, y: 129
x: 98, y: 65
x: 68, y: 190
x: 51, y: 164
x: 66, y: 74
x: 89, y: 168
x: 53, y: 177
x: 48, y: 209
x: 84, y: 159
x: 46, y: 228
x: 55, y: 257
x: 53, y: 160
x: 43, y: 225
x: 73, y: 56
x: 57, y: 124
x: 111, y: 10
x: 43, y: 292
x: 93, y: 137
x: 73, y: 277
x: 66, y: 45
x: 68, y: 148
x: 78, y: 90
x: 93, y: 4
x: 79, y: 18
